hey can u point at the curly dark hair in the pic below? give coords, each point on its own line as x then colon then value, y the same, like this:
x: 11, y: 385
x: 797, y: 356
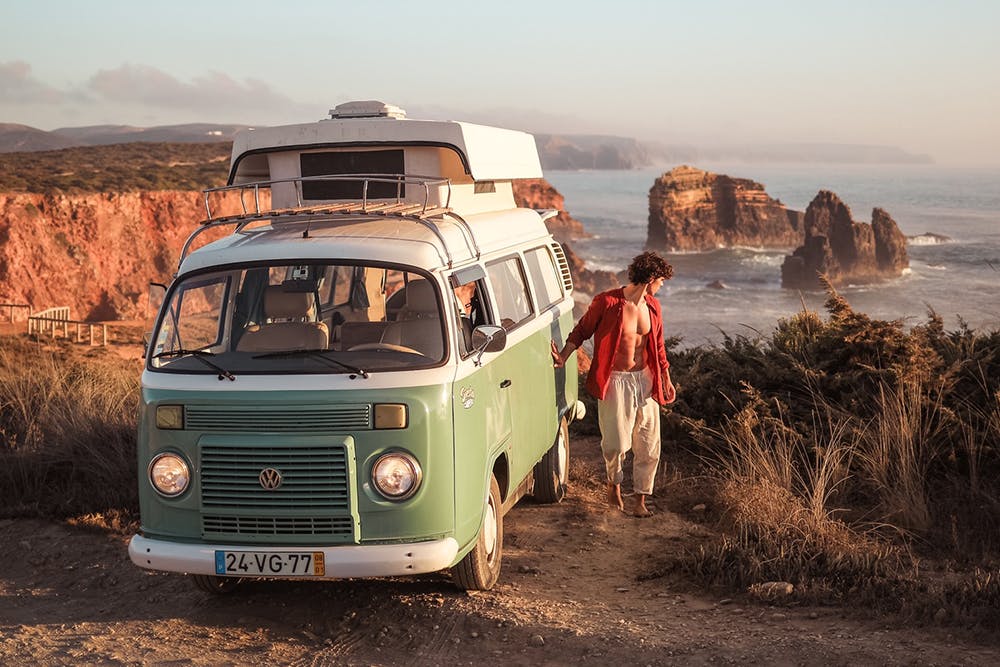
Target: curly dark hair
x: 648, y: 266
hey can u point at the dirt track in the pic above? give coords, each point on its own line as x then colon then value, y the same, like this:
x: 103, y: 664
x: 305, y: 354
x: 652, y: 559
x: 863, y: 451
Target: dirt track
x: 570, y: 593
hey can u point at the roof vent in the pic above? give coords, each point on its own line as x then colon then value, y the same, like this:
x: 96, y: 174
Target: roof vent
x: 367, y: 109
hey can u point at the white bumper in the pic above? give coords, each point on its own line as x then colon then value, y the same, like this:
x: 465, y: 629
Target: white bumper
x: 373, y: 560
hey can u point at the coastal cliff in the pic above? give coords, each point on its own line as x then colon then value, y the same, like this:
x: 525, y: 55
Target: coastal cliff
x: 97, y: 252
x: 692, y: 209
x: 94, y: 252
x: 843, y: 250
x: 539, y: 194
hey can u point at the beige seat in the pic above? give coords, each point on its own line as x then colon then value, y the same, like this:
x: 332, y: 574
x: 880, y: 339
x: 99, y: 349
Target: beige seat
x: 289, y: 325
x: 419, y: 323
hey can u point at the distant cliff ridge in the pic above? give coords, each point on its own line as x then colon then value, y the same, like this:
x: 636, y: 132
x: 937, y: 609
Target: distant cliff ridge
x: 571, y: 152
x: 692, y: 209
x: 843, y: 250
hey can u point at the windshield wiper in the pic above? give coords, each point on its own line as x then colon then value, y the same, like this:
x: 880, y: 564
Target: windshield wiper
x: 200, y: 356
x: 314, y: 352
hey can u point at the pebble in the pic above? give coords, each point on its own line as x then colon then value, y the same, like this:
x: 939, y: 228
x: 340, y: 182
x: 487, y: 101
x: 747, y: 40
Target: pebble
x: 622, y: 589
x: 699, y: 508
x: 537, y: 640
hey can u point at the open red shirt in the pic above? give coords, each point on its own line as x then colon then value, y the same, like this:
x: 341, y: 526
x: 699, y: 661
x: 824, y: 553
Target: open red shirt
x: 603, y: 321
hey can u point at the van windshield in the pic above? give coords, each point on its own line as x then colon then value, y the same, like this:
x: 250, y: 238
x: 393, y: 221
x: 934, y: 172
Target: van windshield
x: 300, y: 318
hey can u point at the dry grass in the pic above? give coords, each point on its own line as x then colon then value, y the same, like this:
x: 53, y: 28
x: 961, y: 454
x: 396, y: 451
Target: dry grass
x: 67, y: 430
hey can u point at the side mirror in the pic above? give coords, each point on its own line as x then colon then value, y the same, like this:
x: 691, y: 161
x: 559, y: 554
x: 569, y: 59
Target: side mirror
x: 488, y: 338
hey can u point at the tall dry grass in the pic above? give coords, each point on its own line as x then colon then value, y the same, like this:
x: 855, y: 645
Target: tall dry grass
x: 67, y: 430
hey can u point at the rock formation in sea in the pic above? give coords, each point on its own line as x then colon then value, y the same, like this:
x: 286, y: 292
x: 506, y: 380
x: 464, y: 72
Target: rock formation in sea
x: 692, y: 209
x: 843, y: 250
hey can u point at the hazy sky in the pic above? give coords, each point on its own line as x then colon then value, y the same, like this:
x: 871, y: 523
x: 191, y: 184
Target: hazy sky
x: 923, y: 76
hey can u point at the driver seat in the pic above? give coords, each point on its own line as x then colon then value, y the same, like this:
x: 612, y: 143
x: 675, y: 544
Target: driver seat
x: 419, y: 323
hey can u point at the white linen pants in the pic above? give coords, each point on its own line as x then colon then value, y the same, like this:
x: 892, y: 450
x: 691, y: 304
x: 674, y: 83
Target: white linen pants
x: 630, y: 419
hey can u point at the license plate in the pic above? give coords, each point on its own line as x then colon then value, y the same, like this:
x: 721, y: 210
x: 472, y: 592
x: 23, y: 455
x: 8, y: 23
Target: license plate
x: 270, y: 563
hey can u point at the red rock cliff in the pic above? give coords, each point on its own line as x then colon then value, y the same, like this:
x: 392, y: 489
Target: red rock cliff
x: 539, y: 193
x: 98, y: 252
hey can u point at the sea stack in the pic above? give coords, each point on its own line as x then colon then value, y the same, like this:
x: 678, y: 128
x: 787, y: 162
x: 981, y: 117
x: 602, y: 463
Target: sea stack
x: 692, y: 209
x: 843, y: 250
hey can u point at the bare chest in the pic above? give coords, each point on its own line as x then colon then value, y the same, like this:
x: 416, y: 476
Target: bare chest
x: 636, y: 319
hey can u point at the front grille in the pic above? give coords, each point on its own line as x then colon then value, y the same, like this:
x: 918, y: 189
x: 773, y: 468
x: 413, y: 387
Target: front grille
x: 313, y: 478
x: 277, y: 526
x: 299, y: 420
x: 313, y: 498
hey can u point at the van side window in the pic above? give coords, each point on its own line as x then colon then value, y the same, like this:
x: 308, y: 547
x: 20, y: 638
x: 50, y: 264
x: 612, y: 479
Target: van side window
x: 544, y: 277
x: 509, y: 291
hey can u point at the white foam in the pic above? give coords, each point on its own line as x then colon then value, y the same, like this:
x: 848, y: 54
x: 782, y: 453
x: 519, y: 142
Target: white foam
x: 929, y: 238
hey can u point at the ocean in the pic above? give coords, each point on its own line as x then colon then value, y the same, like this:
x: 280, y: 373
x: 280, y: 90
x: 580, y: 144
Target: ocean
x: 958, y: 279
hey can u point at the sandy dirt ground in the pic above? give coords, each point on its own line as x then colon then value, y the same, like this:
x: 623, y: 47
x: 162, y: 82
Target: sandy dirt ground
x: 575, y: 589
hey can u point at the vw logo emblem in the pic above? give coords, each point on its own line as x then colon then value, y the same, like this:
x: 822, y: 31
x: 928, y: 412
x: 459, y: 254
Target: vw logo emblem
x: 269, y: 478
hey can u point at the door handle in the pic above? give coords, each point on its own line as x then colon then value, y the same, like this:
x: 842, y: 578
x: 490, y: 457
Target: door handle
x: 505, y: 384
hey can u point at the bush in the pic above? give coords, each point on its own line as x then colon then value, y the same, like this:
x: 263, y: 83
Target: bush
x: 844, y: 451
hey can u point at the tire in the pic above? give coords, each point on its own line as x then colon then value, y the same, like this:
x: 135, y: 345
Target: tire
x: 480, y: 568
x: 216, y: 585
x: 552, y: 472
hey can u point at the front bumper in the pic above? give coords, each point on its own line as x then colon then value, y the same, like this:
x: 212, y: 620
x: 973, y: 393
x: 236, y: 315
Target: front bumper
x: 373, y: 560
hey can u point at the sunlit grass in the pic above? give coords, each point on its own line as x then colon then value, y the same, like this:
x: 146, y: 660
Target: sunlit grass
x: 67, y: 430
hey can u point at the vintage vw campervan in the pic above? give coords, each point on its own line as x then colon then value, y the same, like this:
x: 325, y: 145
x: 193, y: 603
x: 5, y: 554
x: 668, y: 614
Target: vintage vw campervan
x: 355, y: 380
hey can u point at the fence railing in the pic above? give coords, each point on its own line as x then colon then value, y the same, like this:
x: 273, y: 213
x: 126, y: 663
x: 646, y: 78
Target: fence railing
x: 56, y: 321
x: 10, y: 308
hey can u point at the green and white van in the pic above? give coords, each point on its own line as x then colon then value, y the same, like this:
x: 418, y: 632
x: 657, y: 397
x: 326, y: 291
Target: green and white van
x: 354, y: 379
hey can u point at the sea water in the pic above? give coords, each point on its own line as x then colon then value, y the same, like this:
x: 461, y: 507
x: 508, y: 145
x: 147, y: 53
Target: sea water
x: 959, y: 279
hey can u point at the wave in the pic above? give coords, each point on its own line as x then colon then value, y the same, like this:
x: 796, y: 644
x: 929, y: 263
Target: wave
x: 929, y: 238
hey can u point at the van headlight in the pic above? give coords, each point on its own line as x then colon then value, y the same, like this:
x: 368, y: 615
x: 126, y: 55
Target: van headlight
x: 169, y: 475
x: 396, y: 475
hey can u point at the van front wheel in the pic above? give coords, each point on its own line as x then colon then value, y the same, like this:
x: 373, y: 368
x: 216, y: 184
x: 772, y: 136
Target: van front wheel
x: 480, y: 568
x: 552, y: 472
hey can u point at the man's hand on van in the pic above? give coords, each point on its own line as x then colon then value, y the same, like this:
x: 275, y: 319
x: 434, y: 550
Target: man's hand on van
x: 557, y: 359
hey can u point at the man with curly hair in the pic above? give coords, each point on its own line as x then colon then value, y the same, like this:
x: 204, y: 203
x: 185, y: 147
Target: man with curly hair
x: 629, y: 375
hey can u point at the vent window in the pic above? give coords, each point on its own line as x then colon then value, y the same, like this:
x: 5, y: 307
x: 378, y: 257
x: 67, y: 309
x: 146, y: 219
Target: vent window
x: 344, y: 163
x: 567, y: 277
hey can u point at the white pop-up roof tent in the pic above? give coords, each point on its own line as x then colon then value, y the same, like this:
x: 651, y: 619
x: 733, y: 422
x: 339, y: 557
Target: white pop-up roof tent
x: 462, y: 166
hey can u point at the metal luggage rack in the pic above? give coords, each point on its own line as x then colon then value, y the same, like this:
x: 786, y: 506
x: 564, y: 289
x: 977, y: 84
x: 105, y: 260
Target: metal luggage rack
x: 364, y: 205
x: 419, y: 211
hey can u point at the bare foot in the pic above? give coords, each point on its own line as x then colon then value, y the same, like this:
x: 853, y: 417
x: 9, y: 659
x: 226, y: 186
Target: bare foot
x: 615, y: 496
x: 641, y: 510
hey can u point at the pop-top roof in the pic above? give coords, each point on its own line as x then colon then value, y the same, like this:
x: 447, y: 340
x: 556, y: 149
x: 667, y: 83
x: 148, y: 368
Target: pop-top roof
x: 487, y: 153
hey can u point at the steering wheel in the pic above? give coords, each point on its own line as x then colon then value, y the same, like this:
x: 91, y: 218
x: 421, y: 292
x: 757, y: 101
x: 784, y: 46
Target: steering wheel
x: 391, y: 347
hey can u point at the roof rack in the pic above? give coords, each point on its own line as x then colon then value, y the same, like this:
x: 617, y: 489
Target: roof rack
x: 420, y: 212
x: 399, y: 180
